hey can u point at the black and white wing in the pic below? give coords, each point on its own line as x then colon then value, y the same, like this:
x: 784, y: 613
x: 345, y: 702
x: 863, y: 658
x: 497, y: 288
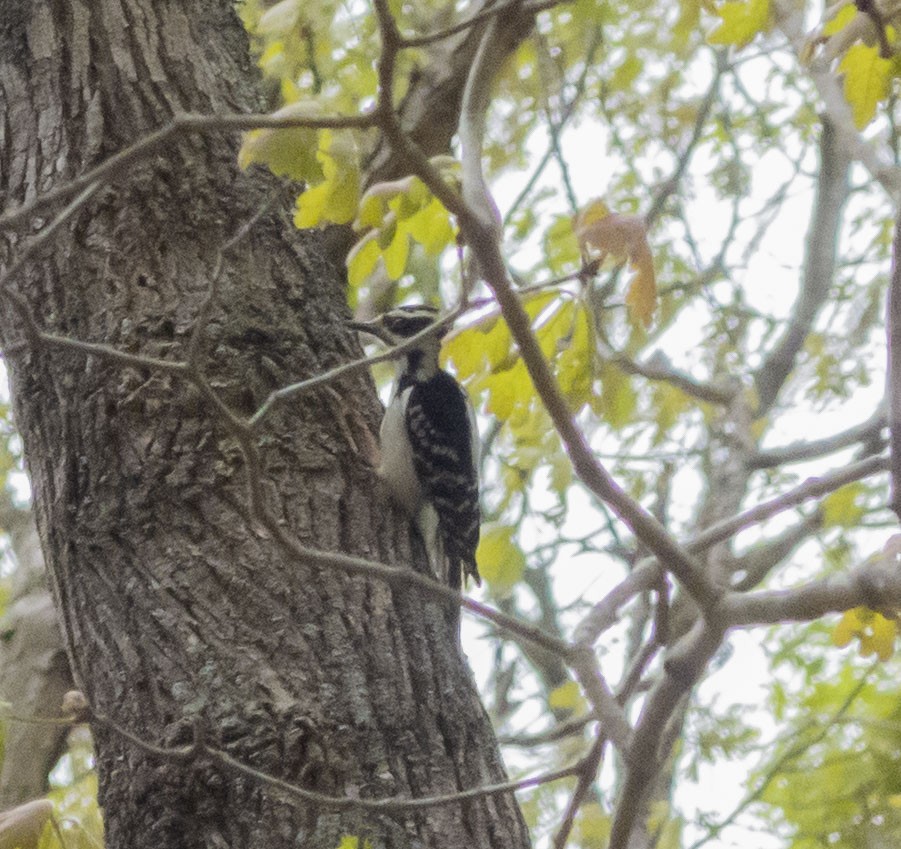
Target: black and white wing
x: 444, y: 440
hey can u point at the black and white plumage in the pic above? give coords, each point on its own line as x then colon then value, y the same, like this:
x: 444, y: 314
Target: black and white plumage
x: 429, y: 445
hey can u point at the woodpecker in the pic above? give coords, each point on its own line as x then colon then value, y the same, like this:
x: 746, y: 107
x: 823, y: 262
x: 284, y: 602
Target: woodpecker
x: 430, y: 445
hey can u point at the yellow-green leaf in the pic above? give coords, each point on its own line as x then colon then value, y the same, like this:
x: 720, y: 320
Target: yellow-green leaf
x: 875, y: 632
x: 742, y: 20
x: 361, y: 260
x: 879, y: 638
x: 431, y: 227
x: 501, y: 561
x: 567, y: 696
x: 465, y: 349
x: 842, y: 508
x: 617, y: 401
x: 509, y: 390
x: 336, y: 199
x: 848, y: 627
x: 498, y: 342
x: 592, y: 829
x: 867, y: 76
x: 289, y: 152
x: 574, y: 365
x: 395, y: 254
x: 351, y: 841
x: 842, y: 18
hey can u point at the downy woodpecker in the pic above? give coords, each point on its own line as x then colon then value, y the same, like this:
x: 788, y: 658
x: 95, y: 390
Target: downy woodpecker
x: 430, y: 444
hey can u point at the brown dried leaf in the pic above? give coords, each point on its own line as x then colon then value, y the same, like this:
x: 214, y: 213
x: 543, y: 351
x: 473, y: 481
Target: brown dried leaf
x: 623, y: 237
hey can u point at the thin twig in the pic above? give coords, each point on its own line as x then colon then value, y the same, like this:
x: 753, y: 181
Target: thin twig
x: 794, y: 751
x: 702, y: 391
x: 199, y: 751
x: 184, y: 123
x: 25, y: 254
x: 604, y: 614
x: 893, y: 381
x: 587, y: 775
x: 425, y: 40
x: 204, y: 312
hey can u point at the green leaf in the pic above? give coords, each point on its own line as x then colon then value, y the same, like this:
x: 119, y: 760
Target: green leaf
x: 616, y: 402
x: 466, y: 350
x: 396, y: 253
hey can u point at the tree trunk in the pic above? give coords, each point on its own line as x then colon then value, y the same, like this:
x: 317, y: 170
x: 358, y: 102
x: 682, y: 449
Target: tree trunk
x: 178, y: 610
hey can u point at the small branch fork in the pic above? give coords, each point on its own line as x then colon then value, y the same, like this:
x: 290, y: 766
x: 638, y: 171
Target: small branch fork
x: 643, y: 746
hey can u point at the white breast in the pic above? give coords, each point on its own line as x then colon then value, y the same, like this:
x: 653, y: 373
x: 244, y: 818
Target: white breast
x: 397, y: 456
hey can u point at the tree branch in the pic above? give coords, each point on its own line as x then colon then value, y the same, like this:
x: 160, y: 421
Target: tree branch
x: 790, y: 19
x: 893, y: 378
x: 757, y: 563
x: 819, y: 266
x: 652, y: 371
x: 120, y: 162
x: 475, y: 213
x: 871, y: 585
x: 867, y: 432
x: 605, y: 613
x: 813, y: 487
x: 649, y: 746
x: 200, y: 751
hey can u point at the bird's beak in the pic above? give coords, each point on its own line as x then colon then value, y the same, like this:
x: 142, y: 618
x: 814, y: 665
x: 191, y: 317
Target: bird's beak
x: 373, y: 328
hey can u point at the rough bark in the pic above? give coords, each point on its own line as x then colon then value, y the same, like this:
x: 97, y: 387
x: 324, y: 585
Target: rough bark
x: 176, y: 608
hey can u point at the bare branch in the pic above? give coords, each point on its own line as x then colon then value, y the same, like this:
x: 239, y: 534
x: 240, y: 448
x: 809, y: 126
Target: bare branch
x: 570, y: 727
x: 751, y: 568
x: 819, y: 266
x: 480, y: 229
x: 813, y: 487
x: 871, y: 585
x: 650, y: 746
x: 557, y: 128
x: 671, y: 185
x: 200, y: 751
x: 605, y: 613
x: 615, y: 726
x: 652, y: 371
x: 532, y: 8
x: 866, y: 432
x: 590, y: 766
x: 331, y: 375
x: 429, y: 114
x: 893, y: 379
x: 119, y: 162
